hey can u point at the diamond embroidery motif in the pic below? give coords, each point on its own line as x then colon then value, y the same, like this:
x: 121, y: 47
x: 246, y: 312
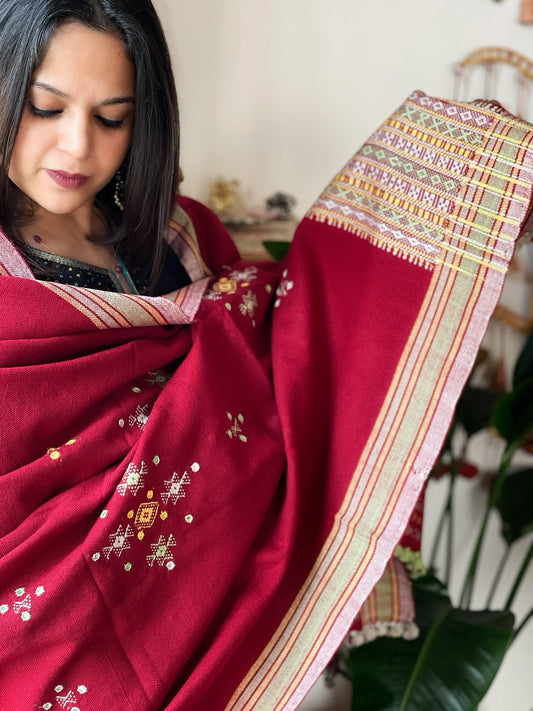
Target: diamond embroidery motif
x: 175, y: 488
x: 161, y: 553
x: 133, y: 479
x: 22, y: 607
x: 119, y: 542
x: 146, y: 515
x: 140, y: 418
x: 68, y: 700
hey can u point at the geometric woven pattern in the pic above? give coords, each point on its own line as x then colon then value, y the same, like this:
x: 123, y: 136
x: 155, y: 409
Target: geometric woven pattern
x: 414, y: 185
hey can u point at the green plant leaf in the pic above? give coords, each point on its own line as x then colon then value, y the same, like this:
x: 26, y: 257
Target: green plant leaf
x: 448, y: 668
x: 515, y: 505
x: 524, y: 365
x: 277, y: 250
x: 513, y: 414
x: 475, y: 407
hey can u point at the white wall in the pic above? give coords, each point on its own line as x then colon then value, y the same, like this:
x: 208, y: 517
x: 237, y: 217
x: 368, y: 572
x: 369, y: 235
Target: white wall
x: 279, y: 93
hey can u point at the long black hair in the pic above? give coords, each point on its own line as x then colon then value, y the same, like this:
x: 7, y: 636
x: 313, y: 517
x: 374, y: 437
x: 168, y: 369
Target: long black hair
x: 151, y: 166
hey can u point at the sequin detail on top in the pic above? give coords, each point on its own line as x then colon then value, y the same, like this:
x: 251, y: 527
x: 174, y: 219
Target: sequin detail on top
x: 60, y: 270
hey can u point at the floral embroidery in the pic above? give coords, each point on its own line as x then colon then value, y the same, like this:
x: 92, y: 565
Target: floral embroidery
x: 55, y: 452
x: 22, y: 607
x: 284, y: 287
x: 161, y: 553
x: 157, y: 377
x: 237, y: 278
x: 249, y: 305
x: 133, y: 479
x: 235, y: 431
x: 225, y: 285
x: 119, y: 541
x: 66, y: 699
x: 247, y: 274
x: 213, y: 295
x: 140, y: 418
x: 149, y: 514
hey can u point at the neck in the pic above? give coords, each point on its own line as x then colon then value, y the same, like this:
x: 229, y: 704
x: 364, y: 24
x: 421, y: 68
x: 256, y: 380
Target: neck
x: 79, y: 236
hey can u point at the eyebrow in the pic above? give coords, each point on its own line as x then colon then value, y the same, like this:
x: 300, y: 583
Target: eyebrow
x: 106, y: 102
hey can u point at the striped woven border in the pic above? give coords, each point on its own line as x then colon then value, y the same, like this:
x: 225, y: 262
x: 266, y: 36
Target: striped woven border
x: 447, y: 186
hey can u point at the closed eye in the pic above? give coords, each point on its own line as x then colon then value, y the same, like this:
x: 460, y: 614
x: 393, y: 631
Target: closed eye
x: 43, y: 113
x: 50, y: 113
x: 108, y: 123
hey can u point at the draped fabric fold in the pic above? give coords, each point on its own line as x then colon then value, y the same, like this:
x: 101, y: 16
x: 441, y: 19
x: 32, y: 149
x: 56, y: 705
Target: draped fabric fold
x: 199, y: 491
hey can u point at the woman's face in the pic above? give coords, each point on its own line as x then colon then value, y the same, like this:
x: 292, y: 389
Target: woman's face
x: 77, y: 122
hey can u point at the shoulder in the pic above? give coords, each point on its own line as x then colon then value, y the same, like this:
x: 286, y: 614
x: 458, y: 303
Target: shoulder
x: 215, y: 244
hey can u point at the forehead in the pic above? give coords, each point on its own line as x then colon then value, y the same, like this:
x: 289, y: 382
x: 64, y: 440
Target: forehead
x: 82, y: 60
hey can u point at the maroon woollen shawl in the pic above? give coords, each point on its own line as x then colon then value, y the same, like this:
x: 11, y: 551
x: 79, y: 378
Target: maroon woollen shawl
x: 199, y: 491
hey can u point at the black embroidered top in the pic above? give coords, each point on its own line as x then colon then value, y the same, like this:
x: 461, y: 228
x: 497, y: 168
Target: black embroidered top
x: 50, y: 267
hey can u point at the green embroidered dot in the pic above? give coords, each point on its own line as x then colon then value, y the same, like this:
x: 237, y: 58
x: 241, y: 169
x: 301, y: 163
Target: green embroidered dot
x: 228, y: 306
x: 4, y: 609
x: 19, y: 592
x: 189, y: 518
x: 268, y: 288
x: 121, y: 423
x: 128, y: 567
x: 136, y: 390
x: 104, y: 514
x: 40, y: 591
x: 25, y: 617
x: 156, y: 460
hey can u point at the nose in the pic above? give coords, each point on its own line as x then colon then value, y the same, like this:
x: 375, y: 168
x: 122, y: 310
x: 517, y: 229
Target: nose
x: 75, y: 135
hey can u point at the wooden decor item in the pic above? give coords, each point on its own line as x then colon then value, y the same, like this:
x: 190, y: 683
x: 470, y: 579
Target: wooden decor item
x: 526, y: 11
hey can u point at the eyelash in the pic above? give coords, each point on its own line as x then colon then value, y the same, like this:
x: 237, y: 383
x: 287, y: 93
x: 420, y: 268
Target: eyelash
x: 45, y: 114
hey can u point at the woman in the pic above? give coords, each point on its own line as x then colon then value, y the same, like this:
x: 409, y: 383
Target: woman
x: 68, y: 128
x: 203, y: 476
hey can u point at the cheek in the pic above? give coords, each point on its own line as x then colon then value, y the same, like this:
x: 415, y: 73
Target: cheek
x: 115, y: 151
x: 30, y: 144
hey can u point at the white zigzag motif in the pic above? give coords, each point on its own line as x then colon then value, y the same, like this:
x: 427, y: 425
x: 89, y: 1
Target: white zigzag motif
x: 382, y: 227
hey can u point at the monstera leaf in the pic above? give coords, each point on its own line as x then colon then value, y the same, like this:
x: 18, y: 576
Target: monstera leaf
x: 448, y: 668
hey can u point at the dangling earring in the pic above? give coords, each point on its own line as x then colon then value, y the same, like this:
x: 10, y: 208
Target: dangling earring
x: 118, y: 194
